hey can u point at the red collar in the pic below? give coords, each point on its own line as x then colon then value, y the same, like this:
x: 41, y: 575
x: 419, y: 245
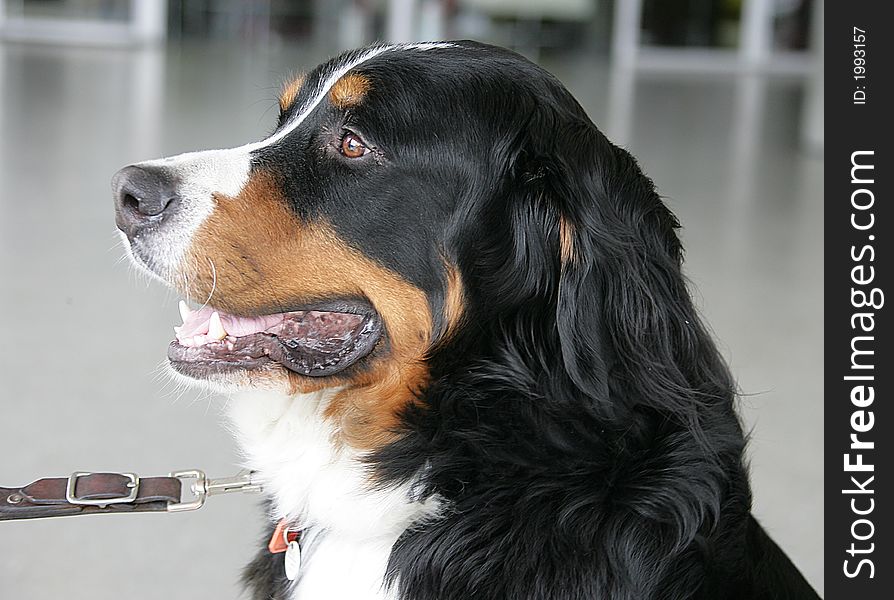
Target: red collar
x: 282, y: 537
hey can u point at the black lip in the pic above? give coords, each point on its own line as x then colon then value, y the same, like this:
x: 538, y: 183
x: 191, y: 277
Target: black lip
x: 353, y: 306
x: 264, y: 351
x: 194, y: 366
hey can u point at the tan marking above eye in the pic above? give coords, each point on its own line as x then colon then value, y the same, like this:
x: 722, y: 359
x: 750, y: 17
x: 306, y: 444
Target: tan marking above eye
x: 350, y: 90
x: 290, y: 92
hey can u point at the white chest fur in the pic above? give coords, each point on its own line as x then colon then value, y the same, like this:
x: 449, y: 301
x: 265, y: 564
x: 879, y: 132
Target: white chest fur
x: 319, y: 484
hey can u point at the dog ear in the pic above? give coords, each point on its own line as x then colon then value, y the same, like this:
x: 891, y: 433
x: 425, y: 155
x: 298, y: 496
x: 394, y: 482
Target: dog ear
x: 623, y: 315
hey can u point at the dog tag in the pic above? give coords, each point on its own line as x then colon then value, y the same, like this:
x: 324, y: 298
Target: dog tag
x: 293, y: 560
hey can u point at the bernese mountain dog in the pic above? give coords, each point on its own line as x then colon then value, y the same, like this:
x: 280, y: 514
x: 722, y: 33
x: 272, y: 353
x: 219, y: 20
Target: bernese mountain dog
x: 461, y: 354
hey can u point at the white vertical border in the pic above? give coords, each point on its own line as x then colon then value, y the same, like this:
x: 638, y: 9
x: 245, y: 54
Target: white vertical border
x: 401, y: 21
x: 625, y: 39
x: 148, y: 20
x: 755, y: 39
x: 812, y: 122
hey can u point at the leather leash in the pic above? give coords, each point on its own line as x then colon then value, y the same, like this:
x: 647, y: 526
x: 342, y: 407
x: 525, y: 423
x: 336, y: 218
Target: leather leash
x: 85, y: 493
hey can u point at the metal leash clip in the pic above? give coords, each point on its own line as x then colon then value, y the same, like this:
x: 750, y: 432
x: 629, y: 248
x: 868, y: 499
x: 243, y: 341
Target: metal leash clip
x: 202, y: 487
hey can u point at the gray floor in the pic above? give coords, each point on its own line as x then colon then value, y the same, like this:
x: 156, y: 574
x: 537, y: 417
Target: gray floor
x: 82, y: 335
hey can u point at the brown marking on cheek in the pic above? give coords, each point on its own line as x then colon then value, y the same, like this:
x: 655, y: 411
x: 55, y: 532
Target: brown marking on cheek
x: 349, y: 90
x: 566, y: 241
x: 290, y: 92
x: 367, y: 412
x: 266, y: 260
x: 454, y: 300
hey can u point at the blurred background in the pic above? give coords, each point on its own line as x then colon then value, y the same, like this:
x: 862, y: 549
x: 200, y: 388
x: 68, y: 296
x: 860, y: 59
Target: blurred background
x: 720, y: 100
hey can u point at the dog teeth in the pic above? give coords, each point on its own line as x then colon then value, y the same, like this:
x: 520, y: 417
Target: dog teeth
x: 184, y: 311
x: 216, y: 329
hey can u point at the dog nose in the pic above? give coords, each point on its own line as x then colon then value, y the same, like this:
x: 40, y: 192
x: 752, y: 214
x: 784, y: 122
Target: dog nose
x: 143, y: 196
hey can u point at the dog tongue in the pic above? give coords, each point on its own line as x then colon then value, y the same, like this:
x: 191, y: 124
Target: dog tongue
x: 199, y: 323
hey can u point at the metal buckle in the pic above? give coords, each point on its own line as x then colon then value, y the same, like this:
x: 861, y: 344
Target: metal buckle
x: 203, y: 487
x: 72, y: 498
x: 199, y: 488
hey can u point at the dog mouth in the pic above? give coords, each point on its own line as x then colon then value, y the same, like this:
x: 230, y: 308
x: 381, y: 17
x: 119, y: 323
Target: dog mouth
x: 314, y: 342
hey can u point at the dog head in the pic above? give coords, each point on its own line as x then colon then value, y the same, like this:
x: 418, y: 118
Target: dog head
x: 419, y: 210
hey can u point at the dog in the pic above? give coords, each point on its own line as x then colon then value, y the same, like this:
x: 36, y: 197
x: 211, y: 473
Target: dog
x: 462, y: 357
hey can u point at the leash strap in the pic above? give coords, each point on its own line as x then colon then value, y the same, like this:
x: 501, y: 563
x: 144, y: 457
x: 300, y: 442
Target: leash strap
x: 85, y: 493
x: 89, y: 493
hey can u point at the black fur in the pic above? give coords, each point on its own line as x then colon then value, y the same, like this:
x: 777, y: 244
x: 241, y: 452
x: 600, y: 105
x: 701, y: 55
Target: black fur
x: 265, y: 576
x: 579, y: 425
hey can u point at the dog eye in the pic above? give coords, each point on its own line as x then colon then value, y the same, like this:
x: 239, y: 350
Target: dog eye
x: 352, y: 146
